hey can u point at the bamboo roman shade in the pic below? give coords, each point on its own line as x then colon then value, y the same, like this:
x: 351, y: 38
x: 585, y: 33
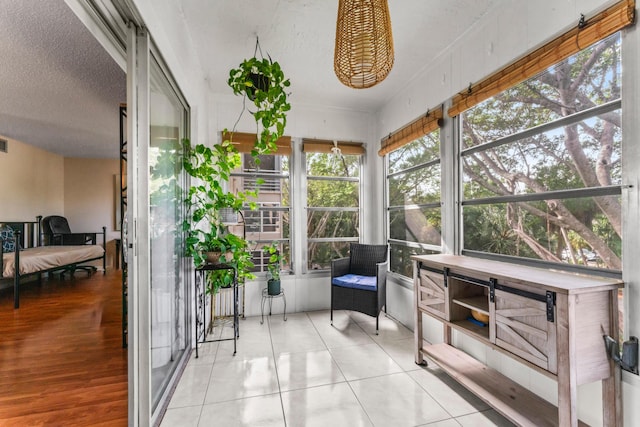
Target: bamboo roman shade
x: 325, y: 146
x: 414, y: 130
x: 244, y: 142
x: 584, y: 35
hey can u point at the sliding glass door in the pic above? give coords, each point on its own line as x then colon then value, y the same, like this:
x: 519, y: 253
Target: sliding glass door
x: 160, y: 331
x: 168, y: 119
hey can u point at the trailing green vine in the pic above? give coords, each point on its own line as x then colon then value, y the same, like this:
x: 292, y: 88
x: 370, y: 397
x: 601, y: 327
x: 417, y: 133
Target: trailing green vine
x: 264, y: 84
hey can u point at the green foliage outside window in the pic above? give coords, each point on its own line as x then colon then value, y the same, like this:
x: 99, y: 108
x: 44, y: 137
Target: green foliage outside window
x: 414, y: 182
x: 579, y: 228
x: 331, y: 193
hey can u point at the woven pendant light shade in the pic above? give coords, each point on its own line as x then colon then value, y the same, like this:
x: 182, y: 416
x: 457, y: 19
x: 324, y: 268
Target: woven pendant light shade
x: 364, y: 43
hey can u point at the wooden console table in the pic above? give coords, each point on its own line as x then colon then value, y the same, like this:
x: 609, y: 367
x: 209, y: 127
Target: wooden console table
x: 553, y: 322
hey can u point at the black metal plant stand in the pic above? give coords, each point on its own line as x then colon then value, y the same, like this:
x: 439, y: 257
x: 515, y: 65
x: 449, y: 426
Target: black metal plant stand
x: 266, y: 296
x: 200, y: 301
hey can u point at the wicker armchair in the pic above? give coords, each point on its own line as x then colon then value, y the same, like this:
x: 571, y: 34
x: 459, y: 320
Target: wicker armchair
x: 359, y: 282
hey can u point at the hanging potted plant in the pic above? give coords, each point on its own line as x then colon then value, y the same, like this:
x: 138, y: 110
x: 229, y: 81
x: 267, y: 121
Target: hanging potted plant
x: 273, y: 266
x: 262, y: 81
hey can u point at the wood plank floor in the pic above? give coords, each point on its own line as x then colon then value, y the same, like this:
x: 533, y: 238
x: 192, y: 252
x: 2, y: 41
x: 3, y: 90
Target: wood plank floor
x: 61, y: 356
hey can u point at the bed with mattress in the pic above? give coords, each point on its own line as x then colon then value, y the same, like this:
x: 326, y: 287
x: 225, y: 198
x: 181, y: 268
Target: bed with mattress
x: 33, y: 258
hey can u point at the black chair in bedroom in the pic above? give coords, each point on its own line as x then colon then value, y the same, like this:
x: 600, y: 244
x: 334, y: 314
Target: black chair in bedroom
x: 56, y: 232
x: 359, y: 281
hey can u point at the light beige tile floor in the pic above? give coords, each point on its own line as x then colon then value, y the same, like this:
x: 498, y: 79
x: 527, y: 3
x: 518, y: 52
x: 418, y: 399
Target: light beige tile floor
x: 305, y: 372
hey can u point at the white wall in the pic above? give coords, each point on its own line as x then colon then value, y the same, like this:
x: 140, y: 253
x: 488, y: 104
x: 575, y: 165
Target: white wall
x: 90, y: 198
x: 32, y: 182
x: 89, y: 194
x: 507, y: 33
x: 304, y: 121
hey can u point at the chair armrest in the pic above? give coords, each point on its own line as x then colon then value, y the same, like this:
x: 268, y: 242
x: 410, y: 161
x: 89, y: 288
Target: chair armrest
x: 340, y: 267
x: 381, y: 274
x: 90, y: 238
x: 65, y: 239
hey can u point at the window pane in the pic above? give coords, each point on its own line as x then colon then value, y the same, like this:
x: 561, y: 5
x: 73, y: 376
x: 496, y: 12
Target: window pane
x: 322, y: 164
x: 578, y: 156
x: 323, y: 193
x: 590, y: 78
x: 274, y: 190
x: 553, y: 230
x: 420, y: 151
x: 266, y: 224
x: 260, y: 258
x: 400, y: 258
x: 328, y: 188
x: 320, y: 254
x: 269, y: 221
x: 415, y: 179
x: 267, y: 162
x: 332, y: 224
x: 581, y: 155
x: 416, y: 187
x: 416, y: 225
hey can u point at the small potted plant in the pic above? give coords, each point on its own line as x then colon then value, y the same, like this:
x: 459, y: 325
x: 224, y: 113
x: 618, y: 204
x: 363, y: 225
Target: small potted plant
x: 220, y: 247
x: 273, y: 266
x: 232, y: 250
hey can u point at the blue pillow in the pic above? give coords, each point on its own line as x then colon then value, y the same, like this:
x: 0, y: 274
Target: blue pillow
x: 7, y: 236
x: 355, y: 281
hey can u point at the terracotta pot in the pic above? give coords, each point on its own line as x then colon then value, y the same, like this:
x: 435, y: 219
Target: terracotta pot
x: 212, y: 257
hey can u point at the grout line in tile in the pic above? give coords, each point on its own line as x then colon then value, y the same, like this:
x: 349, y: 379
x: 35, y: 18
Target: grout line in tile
x: 275, y: 364
x: 204, y: 399
x: 340, y: 369
x: 429, y: 394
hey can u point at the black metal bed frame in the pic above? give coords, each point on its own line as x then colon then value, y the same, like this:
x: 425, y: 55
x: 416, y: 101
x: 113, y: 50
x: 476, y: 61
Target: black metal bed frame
x: 28, y: 235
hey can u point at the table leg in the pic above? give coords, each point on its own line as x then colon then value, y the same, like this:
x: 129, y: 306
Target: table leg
x: 567, y: 375
x: 417, y: 320
x: 236, y: 329
x: 285, y: 307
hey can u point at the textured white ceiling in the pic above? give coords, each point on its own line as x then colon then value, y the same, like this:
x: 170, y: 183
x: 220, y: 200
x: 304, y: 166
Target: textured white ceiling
x: 59, y: 89
x: 300, y: 35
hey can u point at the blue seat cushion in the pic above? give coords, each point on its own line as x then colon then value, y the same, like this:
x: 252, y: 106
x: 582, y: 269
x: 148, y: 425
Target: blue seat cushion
x: 355, y: 281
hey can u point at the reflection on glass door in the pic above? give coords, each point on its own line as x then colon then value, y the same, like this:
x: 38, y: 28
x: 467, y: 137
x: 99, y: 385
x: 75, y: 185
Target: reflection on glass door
x: 169, y: 326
